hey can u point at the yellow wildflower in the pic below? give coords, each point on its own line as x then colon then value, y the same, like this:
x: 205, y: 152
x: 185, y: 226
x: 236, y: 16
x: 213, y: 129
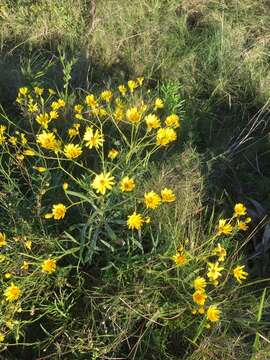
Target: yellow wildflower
x: 78, y: 108
x: 214, y: 271
x: 113, y: 153
x: 3, y: 239
x: 165, y: 136
x: 43, y: 120
x: 59, y: 211
x: 224, y: 227
x: 12, y: 292
x: 103, y: 182
x: 13, y: 140
x: 122, y: 89
x: 133, y: 115
x: 25, y: 266
x: 48, y: 266
x: 242, y: 225
x: 72, y: 151
x: 213, y: 313
x: 239, y: 273
x: 23, y: 139
x: 72, y: 132
x: 132, y: 85
x: 167, y: 195
x: 240, y: 210
x: 65, y: 186
x: 23, y: 91
x: 118, y: 114
x: 32, y: 107
x: 93, y: 139
x: 8, y: 275
x: 172, y: 121
x: 38, y: 90
x: 152, y: 122
x: 54, y: 115
x: 199, y: 297
x: 106, y: 95
x: 220, y: 252
x: 40, y: 169
x: 179, y: 259
x: 48, y: 141
x: 2, y: 337
x: 127, y: 184
x: 140, y: 80
x: 91, y: 101
x: 135, y: 221
x: 51, y: 92
x: 159, y: 104
x: 28, y: 244
x: 199, y: 283
x: 152, y: 200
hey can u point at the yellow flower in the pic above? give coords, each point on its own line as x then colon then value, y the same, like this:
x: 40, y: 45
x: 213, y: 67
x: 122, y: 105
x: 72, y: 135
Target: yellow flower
x: 58, y: 104
x: 248, y: 220
x: 103, y: 182
x: 23, y: 91
x: 199, y: 283
x: 43, y: 120
x: 54, y: 115
x: 61, y: 103
x: 3, y: 240
x: 224, y: 227
x: 2, y: 258
x: 13, y: 140
x: 151, y: 200
x: 220, y: 252
x: 152, y: 122
x: 159, y: 104
x: 122, y: 89
x: 214, y: 271
x: 213, y: 313
x: 199, y: 297
x: 48, y: 266
x: 119, y: 103
x: 172, y: 121
x: 93, y: 139
x: 165, y: 136
x: 32, y: 107
x: 59, y: 211
x: 239, y: 273
x: 12, y: 292
x: 48, y: 141
x: 147, y: 220
x: 51, y: 92
x: 91, y: 101
x: 242, y: 225
x: 179, y: 259
x: 167, y: 195
x: 23, y: 139
x: 25, y: 266
x: 113, y: 153
x: 78, y: 108
x: 133, y: 115
x: 38, y: 90
x: 240, y: 210
x: 28, y: 244
x: 201, y: 310
x: 106, y: 95
x: 40, y: 169
x: 8, y: 275
x: 72, y: 151
x: 72, y: 132
x: 135, y: 221
x: 127, y: 184
x: 118, y: 114
x: 65, y: 186
x: 2, y: 337
x: 132, y: 85
x: 140, y: 80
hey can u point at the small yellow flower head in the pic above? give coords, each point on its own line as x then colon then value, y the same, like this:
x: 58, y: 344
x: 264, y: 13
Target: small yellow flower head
x: 78, y: 108
x: 118, y: 114
x: 54, y: 115
x: 135, y: 221
x: 23, y: 139
x: 199, y: 297
x: 8, y: 275
x: 248, y: 220
x: 239, y: 273
x: 32, y: 107
x: 127, y: 184
x: 224, y: 227
x: 51, y: 92
x: 140, y: 80
x: 172, y: 121
x: 103, y: 182
x: 23, y: 91
x: 2, y: 258
x: 72, y: 151
x: 106, y: 95
x: 13, y: 140
x: 201, y: 310
x: 132, y: 85
x: 3, y: 239
x: 152, y: 200
x: 93, y: 139
x: 242, y: 225
x: 43, y: 120
x: 240, y: 210
x: 72, y: 132
x: 167, y: 195
x: 213, y: 313
x: 38, y: 90
x: 119, y: 103
x: 165, y: 136
x: 48, y: 266
x: 12, y: 292
x: 91, y: 101
x: 48, y: 141
x: 159, y: 104
x: 113, y: 153
x: 147, y: 220
x: 122, y: 89
x: 40, y: 169
x: 179, y: 259
x: 65, y: 186
x: 220, y: 252
x: 199, y: 283
x: 25, y: 266
x: 59, y: 211
x: 2, y: 337
x: 61, y: 103
x: 214, y: 271
x: 152, y: 122
x: 28, y: 244
x: 133, y: 115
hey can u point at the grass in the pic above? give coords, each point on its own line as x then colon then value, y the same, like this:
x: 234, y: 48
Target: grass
x: 208, y: 60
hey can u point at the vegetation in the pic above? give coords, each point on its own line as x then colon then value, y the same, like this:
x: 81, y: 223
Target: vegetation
x: 134, y: 179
